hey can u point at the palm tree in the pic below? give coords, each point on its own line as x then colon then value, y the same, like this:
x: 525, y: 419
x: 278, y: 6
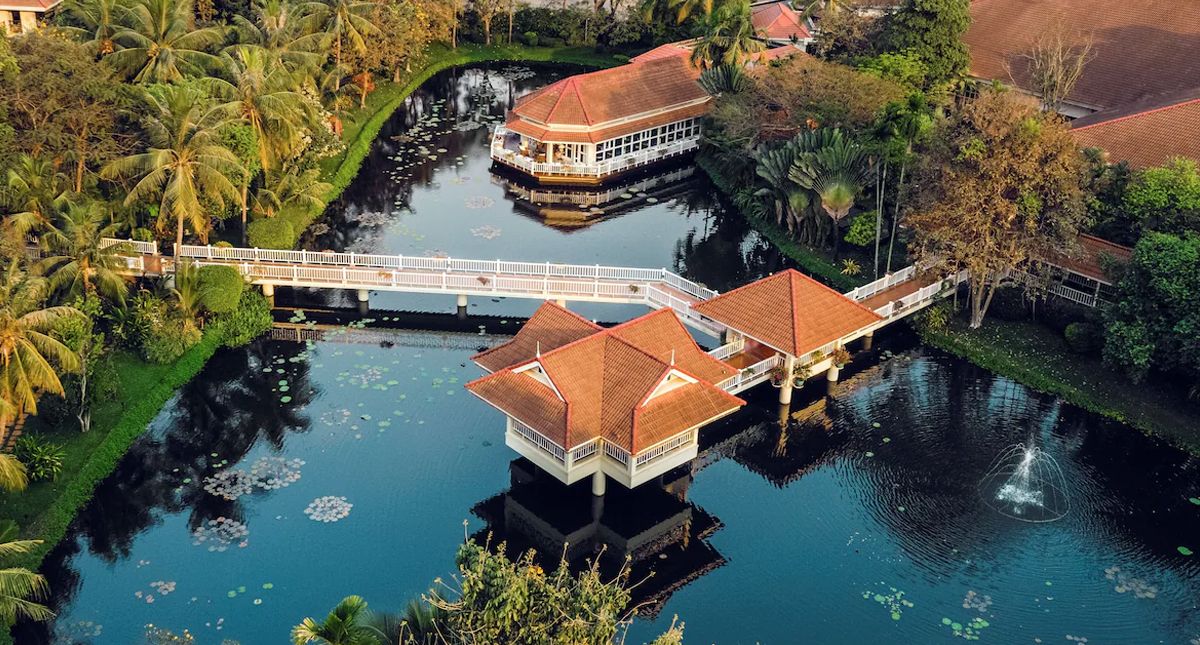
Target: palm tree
x: 78, y: 262
x: 774, y: 166
x: 725, y: 79
x: 903, y: 124
x: 27, y: 351
x: 100, y: 20
x: 35, y: 190
x: 345, y: 625
x: 727, y: 36
x: 20, y: 587
x: 653, y: 10
x: 285, y: 188
x: 186, y: 165
x: 261, y: 94
x: 835, y: 168
x: 345, y: 20
x: 159, y: 42
x: 12, y: 472
x: 287, y: 31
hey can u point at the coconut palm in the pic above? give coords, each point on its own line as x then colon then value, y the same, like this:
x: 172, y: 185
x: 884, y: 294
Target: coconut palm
x: 725, y: 79
x: 186, y: 166
x: 12, y: 472
x: 28, y: 354
x: 35, y: 189
x: 286, y: 188
x: 834, y: 168
x: 159, y: 42
x: 727, y: 36
x: 100, y: 20
x: 286, y: 30
x: 78, y: 262
x: 345, y: 21
x: 652, y: 10
x: 345, y: 625
x: 20, y: 588
x: 261, y: 94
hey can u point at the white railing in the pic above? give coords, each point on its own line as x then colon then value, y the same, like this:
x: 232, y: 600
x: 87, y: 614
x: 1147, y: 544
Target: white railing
x: 729, y: 349
x: 882, y: 284
x: 751, y: 375
x: 145, y: 248
x: 1074, y: 295
x: 610, y: 166
x: 664, y: 447
x: 616, y: 452
x: 584, y: 450
x: 540, y: 440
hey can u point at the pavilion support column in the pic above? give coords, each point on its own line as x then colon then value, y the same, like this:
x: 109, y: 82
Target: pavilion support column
x: 269, y: 292
x: 785, y: 389
x: 597, y: 505
x: 831, y: 378
x: 462, y: 306
x: 549, y: 153
x: 868, y: 341
x: 599, y: 483
x: 364, y: 301
x: 561, y: 302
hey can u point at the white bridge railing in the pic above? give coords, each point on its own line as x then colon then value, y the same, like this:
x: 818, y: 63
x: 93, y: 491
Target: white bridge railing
x: 752, y: 375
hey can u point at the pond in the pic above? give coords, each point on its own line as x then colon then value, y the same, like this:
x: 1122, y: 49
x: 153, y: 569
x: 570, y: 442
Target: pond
x: 290, y: 474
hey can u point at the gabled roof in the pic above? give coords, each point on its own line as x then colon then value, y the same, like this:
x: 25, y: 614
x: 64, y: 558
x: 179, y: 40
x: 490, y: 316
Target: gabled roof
x: 36, y: 6
x: 788, y: 311
x: 1139, y: 49
x: 605, y: 381
x: 668, y: 50
x: 597, y: 98
x: 545, y: 134
x: 1145, y: 133
x: 1094, y: 254
x: 549, y: 328
x: 778, y: 21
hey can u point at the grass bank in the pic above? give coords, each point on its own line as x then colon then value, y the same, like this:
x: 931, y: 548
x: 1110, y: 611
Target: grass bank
x: 360, y: 127
x: 1036, y: 356
x: 813, y: 262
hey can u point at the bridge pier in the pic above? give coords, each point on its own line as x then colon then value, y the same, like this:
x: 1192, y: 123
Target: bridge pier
x: 462, y: 306
x: 598, y: 483
x: 364, y: 301
x: 868, y: 341
x: 269, y: 291
x: 785, y: 389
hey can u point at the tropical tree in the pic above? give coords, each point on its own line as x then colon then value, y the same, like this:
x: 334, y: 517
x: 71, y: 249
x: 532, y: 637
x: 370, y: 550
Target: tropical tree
x: 345, y: 625
x: 13, y: 476
x: 901, y: 126
x: 344, y: 22
x: 681, y: 10
x: 78, y: 262
x: 186, y: 167
x: 487, y: 11
x: 834, y: 167
x: 100, y: 20
x: 727, y: 36
x: 28, y: 354
x: 287, y: 30
x: 721, y: 79
x: 932, y: 30
x: 159, y: 42
x: 774, y: 166
x: 35, y: 189
x: 20, y: 588
x: 288, y: 188
x: 261, y: 94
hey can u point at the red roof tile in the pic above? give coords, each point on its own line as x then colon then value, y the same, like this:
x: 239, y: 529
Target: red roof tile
x: 668, y: 50
x: 629, y: 127
x: 778, y: 21
x: 1139, y: 49
x: 1145, y: 133
x: 37, y: 6
x: 1094, y: 254
x: 605, y: 380
x: 788, y: 311
x: 550, y: 327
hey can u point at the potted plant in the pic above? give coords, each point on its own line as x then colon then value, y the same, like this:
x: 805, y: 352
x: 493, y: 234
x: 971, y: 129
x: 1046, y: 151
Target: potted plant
x: 840, y: 357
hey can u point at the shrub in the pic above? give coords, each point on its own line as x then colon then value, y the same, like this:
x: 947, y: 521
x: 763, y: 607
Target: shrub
x: 220, y: 288
x: 43, y: 459
x: 159, y: 334
x: 621, y: 58
x: 272, y: 233
x: 223, y: 244
x: 1083, y: 338
x: 1057, y: 313
x: 934, y: 318
x: 531, y: 38
x: 1009, y: 304
x: 249, y: 320
x: 551, y: 41
x: 862, y: 229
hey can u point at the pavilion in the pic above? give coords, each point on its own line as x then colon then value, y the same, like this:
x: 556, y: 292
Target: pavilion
x: 22, y: 16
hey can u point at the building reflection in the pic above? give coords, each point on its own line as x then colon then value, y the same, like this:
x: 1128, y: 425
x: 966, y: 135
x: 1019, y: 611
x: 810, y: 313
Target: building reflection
x: 662, y: 534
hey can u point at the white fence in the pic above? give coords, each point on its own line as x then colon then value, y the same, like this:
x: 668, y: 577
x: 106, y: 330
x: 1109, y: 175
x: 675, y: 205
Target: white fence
x: 608, y: 167
x: 752, y: 375
x: 882, y: 284
x: 541, y: 441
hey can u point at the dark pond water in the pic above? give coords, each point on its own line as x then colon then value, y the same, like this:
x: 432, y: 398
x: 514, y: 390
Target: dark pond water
x: 860, y: 521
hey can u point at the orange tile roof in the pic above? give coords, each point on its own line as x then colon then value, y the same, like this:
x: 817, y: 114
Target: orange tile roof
x: 1146, y: 133
x: 778, y: 21
x: 605, y: 379
x: 597, y: 98
x: 788, y: 311
x: 1094, y: 254
x: 596, y: 136
x: 36, y: 6
x: 668, y: 50
x: 549, y: 328
x: 1139, y: 49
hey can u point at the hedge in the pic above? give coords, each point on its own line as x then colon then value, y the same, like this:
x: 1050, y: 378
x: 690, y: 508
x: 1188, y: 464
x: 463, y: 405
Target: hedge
x: 220, y: 288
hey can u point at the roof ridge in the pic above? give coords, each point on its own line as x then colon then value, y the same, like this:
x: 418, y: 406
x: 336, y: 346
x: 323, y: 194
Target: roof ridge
x: 832, y: 290
x: 547, y: 303
x: 1161, y: 108
x: 1107, y: 242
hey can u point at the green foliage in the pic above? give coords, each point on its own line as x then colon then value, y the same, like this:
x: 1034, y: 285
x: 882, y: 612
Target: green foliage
x: 1155, y: 321
x: 1009, y: 304
x: 931, y: 31
x: 43, y: 459
x: 250, y: 319
x: 221, y: 288
x: 531, y: 38
x: 862, y: 229
x: 1083, y: 337
x: 1164, y: 199
x: 725, y: 78
x: 272, y: 233
x: 904, y: 68
x: 934, y: 318
x: 159, y: 332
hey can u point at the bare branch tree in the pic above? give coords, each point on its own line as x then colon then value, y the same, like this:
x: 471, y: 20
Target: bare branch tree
x: 1055, y: 62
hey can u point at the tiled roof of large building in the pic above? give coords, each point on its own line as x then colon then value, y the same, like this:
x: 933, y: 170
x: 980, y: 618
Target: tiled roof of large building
x: 1139, y: 49
x: 598, y: 98
x: 1146, y: 133
x: 595, y: 136
x: 788, y: 311
x: 778, y: 21
x: 549, y: 328
x: 668, y: 50
x: 602, y: 386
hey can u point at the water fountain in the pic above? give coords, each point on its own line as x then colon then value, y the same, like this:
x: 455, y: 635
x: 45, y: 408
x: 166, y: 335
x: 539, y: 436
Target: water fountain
x: 1025, y: 483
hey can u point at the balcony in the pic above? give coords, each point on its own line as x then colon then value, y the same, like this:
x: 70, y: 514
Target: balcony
x: 507, y: 156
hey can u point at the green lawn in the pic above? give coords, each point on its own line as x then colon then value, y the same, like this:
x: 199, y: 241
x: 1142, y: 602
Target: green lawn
x: 1036, y: 356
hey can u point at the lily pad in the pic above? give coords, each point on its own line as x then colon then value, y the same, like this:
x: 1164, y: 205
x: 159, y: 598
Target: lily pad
x: 1183, y: 550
